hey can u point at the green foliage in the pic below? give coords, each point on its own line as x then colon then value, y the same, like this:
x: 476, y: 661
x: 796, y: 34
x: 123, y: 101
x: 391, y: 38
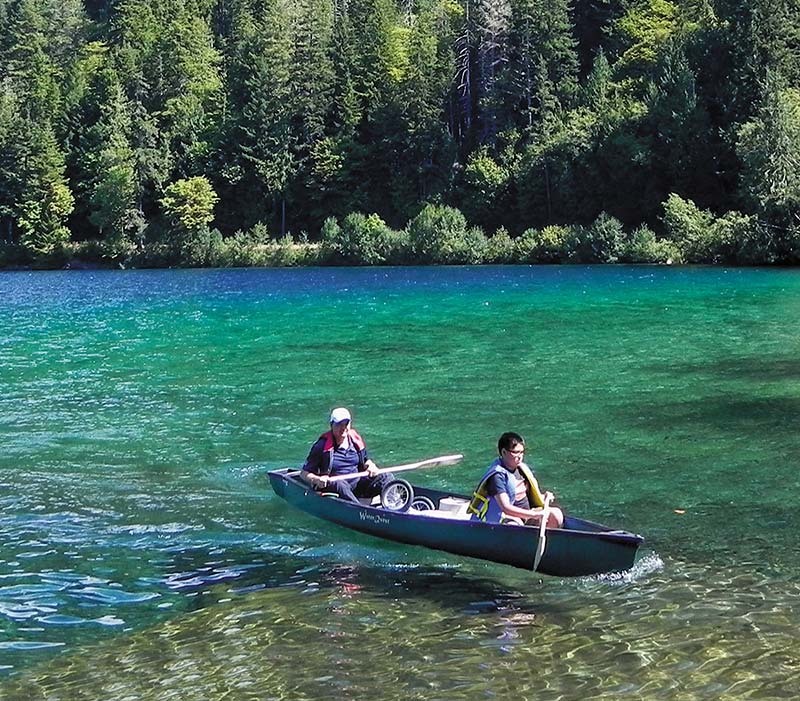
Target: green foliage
x: 485, y: 183
x: 46, y: 200
x: 598, y: 84
x: 689, y: 227
x: 360, y: 240
x: 500, y: 247
x: 642, y: 246
x: 551, y: 176
x: 601, y: 242
x: 294, y: 112
x: 737, y: 238
x: 254, y: 248
x: 644, y: 29
x: 539, y: 79
x: 189, y: 204
x: 553, y: 244
x: 769, y: 146
x: 734, y: 238
x: 26, y: 65
x: 439, y: 234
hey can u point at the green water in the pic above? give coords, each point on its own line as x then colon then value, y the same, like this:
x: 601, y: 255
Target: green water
x: 144, y: 557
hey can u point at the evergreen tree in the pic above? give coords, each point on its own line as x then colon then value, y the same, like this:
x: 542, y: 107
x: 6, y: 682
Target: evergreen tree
x: 424, y: 155
x: 261, y: 141
x: 10, y: 155
x: 679, y: 128
x: 493, y: 47
x: 46, y: 201
x: 66, y: 27
x: 188, y: 84
x: 110, y: 173
x: 593, y: 22
x: 25, y: 63
x: 598, y: 83
x: 642, y: 32
x: 769, y: 146
x: 375, y: 21
x: 344, y: 112
x: 311, y: 95
x: 540, y: 81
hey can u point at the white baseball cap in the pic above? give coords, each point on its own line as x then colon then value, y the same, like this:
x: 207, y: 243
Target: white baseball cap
x: 340, y: 414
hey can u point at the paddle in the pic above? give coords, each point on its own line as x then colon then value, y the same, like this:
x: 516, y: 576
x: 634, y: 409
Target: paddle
x: 432, y: 462
x: 542, y: 529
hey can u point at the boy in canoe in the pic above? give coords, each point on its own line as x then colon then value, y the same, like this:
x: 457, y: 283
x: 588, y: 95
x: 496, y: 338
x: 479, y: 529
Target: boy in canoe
x: 341, y: 451
x: 509, y: 489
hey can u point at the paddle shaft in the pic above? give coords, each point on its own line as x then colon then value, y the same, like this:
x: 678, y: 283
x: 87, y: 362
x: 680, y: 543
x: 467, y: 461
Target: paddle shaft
x: 432, y: 462
x: 542, y: 532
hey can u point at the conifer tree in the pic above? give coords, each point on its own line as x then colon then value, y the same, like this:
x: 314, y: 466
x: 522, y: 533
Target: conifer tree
x: 494, y: 27
x: 344, y: 112
x: 10, y: 173
x: 425, y: 151
x: 598, y: 83
x: 540, y: 81
x: 262, y: 139
x: 46, y: 200
x: 769, y: 146
x: 25, y: 63
x: 110, y: 166
x: 676, y: 121
x: 375, y: 21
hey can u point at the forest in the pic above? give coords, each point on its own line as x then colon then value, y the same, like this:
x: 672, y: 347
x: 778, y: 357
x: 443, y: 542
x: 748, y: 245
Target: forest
x: 156, y: 133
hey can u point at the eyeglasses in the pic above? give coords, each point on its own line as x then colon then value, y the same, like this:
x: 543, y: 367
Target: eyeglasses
x: 518, y: 451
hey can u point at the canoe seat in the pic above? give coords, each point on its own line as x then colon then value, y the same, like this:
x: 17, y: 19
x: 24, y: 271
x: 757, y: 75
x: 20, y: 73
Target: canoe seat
x: 452, y: 515
x: 371, y: 501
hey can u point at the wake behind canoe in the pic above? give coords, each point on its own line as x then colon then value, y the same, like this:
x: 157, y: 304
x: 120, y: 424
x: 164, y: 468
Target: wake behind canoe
x: 579, y: 548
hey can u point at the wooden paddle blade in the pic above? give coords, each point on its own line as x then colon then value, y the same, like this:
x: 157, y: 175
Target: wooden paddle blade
x: 542, y: 533
x: 431, y: 462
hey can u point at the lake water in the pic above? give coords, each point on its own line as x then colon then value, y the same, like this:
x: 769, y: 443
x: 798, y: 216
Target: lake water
x: 144, y: 556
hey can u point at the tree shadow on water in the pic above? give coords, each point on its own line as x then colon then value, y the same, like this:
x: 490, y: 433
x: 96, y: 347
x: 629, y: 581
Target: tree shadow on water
x: 727, y: 413
x: 755, y: 369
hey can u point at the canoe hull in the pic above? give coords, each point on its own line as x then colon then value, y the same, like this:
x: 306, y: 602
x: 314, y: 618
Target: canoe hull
x: 580, y: 548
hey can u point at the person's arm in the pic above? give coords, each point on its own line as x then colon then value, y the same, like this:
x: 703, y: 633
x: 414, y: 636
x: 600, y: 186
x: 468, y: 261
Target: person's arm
x: 313, y: 479
x: 369, y: 464
x: 310, y: 470
x: 511, y: 510
x: 554, y: 520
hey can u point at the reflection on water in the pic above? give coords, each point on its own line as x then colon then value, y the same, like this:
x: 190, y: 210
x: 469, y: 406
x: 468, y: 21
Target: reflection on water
x: 353, y: 632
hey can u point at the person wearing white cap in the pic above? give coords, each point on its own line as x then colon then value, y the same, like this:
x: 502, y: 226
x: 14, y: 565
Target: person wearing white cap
x: 341, y: 451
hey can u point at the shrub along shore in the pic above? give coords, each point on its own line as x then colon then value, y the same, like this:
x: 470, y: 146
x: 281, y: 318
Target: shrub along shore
x: 441, y: 235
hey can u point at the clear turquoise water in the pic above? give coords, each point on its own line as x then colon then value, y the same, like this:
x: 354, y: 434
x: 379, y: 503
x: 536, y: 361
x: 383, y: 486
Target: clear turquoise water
x: 144, y: 556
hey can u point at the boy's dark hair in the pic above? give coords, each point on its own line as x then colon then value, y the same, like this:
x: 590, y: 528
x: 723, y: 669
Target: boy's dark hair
x: 508, y: 440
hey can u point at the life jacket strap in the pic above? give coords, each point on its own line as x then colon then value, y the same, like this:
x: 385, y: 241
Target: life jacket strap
x: 479, y: 505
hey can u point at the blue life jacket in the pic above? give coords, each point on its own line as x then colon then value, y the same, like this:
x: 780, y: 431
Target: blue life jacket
x: 484, y: 507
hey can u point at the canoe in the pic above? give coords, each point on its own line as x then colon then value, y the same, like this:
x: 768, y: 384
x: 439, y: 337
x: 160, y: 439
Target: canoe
x: 580, y: 548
